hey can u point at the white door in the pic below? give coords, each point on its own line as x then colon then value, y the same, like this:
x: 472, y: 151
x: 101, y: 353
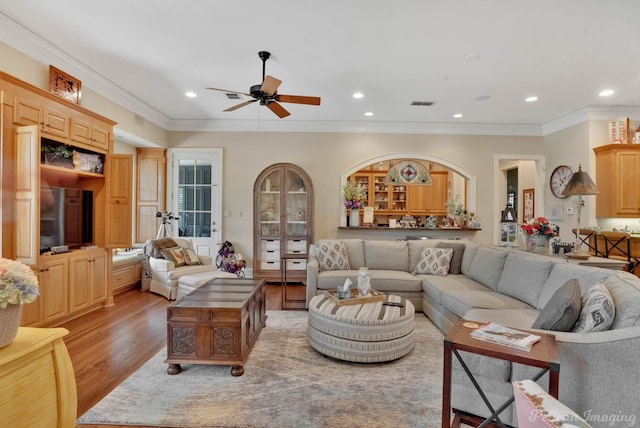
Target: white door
x: 196, y: 197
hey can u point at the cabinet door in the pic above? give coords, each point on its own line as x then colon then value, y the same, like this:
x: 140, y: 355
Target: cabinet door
x: 437, y: 194
x: 55, y: 123
x: 150, y: 191
x: 98, y: 277
x: 81, y: 131
x: 27, y: 194
x: 417, y: 199
x: 54, y: 289
x: 26, y: 111
x: 32, y: 312
x: 79, y: 287
x: 118, y: 215
x: 628, y: 183
x: 100, y: 136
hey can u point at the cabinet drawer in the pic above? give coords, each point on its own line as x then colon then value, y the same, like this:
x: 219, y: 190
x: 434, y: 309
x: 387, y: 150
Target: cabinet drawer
x: 270, y: 244
x: 123, y: 276
x: 270, y: 255
x: 297, y: 245
x: 296, y: 264
x: 270, y: 265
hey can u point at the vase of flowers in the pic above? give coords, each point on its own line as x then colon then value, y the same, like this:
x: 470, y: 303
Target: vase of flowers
x: 456, y: 212
x: 539, y: 232
x: 18, y: 285
x: 355, y: 196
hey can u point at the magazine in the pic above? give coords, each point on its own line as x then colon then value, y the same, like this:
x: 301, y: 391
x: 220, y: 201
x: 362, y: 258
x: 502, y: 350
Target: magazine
x: 496, y: 333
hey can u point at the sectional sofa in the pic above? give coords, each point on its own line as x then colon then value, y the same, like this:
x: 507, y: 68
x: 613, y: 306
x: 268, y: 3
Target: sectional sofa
x: 599, y: 370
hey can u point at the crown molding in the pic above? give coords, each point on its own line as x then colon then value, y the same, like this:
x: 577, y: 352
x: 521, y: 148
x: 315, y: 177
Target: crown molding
x: 587, y: 113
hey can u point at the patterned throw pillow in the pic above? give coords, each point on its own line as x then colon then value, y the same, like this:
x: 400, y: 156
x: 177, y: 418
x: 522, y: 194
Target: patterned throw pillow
x: 598, y: 310
x: 174, y: 255
x: 332, y: 255
x: 434, y: 261
x: 190, y: 257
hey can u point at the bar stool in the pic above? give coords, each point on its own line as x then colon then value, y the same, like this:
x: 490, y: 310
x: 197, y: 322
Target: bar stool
x: 584, y: 235
x: 620, y: 241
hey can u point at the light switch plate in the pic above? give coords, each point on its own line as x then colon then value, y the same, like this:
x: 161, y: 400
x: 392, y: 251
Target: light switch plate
x: 569, y: 210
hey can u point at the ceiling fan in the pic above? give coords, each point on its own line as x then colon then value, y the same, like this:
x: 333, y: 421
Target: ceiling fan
x: 267, y: 93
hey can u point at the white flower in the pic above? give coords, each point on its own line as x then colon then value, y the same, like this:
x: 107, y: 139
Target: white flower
x: 18, y: 283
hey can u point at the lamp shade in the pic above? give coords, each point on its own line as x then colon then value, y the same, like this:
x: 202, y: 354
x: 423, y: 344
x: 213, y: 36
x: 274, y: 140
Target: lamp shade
x: 580, y: 184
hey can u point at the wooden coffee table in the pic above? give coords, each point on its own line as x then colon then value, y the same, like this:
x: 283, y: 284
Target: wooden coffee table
x: 217, y: 323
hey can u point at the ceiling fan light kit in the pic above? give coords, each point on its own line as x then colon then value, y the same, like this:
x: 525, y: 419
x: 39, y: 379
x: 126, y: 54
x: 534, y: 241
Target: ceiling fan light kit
x: 266, y: 93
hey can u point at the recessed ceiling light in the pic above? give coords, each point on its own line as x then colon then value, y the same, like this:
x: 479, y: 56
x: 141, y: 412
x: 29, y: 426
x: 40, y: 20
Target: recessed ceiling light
x: 458, y: 115
x: 190, y: 94
x: 607, y: 92
x: 472, y: 57
x: 482, y: 97
x: 531, y: 99
x: 358, y: 95
x: 369, y: 113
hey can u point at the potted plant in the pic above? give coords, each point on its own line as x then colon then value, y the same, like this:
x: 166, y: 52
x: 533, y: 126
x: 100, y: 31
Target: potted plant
x: 58, y: 155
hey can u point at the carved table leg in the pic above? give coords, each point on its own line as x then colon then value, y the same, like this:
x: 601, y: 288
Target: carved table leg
x: 237, y: 371
x: 174, y: 369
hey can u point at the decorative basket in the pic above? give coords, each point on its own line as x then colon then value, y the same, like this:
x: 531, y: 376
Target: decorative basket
x: 9, y: 324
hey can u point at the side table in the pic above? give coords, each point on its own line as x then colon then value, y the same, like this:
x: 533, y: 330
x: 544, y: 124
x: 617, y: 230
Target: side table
x: 543, y: 354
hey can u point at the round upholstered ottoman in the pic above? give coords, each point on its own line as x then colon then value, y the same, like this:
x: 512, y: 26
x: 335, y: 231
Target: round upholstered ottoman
x: 363, y: 333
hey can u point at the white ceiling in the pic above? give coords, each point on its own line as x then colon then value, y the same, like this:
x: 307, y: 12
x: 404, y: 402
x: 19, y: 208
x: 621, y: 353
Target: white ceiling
x: 146, y: 54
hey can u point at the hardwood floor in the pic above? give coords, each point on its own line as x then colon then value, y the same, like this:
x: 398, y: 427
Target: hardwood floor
x: 108, y: 345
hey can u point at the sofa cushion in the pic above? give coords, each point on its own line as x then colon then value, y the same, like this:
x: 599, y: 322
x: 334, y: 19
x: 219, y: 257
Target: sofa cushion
x: 461, y: 301
x: 598, y: 311
x: 458, y: 251
x: 562, y: 310
x: 562, y: 272
x: 434, y: 261
x: 355, y: 252
x: 487, y: 266
x: 516, y: 318
x: 435, y: 286
x: 625, y: 292
x: 523, y: 277
x: 174, y: 255
x: 467, y: 258
x: 153, y: 247
x: 332, y: 255
x: 391, y: 255
x: 386, y: 281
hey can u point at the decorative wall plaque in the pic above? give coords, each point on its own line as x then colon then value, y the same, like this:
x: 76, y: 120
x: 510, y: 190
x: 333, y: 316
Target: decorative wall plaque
x: 64, y: 85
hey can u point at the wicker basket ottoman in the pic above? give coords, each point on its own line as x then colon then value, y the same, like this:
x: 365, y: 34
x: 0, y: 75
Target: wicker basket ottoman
x: 363, y: 333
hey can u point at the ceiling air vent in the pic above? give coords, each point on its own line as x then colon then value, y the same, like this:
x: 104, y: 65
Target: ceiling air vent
x: 423, y: 103
x: 234, y: 96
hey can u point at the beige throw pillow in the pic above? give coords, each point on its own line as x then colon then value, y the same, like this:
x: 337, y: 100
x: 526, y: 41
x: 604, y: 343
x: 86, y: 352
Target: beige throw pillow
x: 174, y: 255
x: 434, y: 261
x: 332, y: 255
x: 190, y: 257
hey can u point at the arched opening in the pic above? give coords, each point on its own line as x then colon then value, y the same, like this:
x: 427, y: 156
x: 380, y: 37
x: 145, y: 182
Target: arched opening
x: 457, y: 180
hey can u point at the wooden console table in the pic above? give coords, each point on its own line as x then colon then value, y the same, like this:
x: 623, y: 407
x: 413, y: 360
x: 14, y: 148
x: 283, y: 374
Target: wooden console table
x: 37, y: 382
x: 217, y: 323
x: 543, y: 354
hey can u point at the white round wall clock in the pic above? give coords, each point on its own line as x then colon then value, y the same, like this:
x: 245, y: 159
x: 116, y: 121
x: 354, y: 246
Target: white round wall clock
x: 559, y: 179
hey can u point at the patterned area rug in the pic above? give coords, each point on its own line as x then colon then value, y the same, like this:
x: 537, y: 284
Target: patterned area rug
x: 286, y: 384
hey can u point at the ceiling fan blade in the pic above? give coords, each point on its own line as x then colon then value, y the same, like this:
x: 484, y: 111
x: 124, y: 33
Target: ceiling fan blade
x: 230, y: 91
x: 298, y: 99
x: 236, y: 107
x: 270, y: 85
x: 278, y: 109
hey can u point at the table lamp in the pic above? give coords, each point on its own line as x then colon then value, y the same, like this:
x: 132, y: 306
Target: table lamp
x: 579, y: 184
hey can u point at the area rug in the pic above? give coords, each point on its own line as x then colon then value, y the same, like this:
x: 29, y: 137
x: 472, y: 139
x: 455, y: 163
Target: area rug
x: 286, y: 383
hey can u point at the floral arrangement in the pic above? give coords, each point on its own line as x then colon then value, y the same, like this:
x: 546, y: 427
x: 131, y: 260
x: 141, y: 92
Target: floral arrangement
x: 456, y: 209
x: 355, y: 195
x: 18, y: 283
x: 540, y: 226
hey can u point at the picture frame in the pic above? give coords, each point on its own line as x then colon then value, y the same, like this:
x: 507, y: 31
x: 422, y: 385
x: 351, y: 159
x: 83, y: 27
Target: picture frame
x: 528, y: 204
x: 64, y: 85
x: 556, y: 212
x: 367, y: 217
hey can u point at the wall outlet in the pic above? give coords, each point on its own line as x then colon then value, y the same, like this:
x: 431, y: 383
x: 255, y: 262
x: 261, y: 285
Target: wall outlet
x: 569, y: 210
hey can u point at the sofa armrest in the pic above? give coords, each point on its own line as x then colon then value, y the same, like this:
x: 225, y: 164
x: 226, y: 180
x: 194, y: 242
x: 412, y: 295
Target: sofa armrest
x: 205, y: 260
x: 161, y: 265
x: 313, y: 268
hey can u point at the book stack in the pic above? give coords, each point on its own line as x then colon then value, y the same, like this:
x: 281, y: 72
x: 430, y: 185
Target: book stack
x: 501, y: 335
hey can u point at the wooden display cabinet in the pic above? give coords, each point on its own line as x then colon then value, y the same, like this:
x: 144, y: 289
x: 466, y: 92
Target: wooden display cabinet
x: 283, y: 221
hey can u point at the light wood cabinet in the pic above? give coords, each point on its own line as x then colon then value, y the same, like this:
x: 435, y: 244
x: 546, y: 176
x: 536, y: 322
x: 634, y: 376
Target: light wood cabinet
x: 37, y: 380
x: 429, y: 200
x: 150, y: 191
x: 54, y: 288
x: 90, y: 133
x: 87, y: 279
x: 119, y: 188
x: 618, y: 180
x: 283, y: 221
x: 126, y: 275
x: 51, y: 121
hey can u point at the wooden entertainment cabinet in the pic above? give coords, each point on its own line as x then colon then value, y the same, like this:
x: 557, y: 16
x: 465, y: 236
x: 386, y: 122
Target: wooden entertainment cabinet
x: 79, y: 281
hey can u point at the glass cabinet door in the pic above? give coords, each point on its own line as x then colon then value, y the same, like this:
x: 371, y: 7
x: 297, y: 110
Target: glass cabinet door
x: 270, y: 205
x: 296, y: 205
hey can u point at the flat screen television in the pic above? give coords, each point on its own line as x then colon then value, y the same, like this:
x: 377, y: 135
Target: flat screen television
x: 66, y: 217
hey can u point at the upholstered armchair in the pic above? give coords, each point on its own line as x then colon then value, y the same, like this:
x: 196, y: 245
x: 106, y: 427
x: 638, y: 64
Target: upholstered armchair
x: 169, y: 259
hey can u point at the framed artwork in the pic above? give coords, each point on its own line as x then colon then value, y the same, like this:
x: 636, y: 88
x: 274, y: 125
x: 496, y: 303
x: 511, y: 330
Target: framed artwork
x: 368, y: 215
x: 528, y: 207
x: 556, y: 212
x: 64, y: 85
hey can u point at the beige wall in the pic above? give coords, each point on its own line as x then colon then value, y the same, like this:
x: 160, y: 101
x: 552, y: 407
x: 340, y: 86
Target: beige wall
x: 327, y: 156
